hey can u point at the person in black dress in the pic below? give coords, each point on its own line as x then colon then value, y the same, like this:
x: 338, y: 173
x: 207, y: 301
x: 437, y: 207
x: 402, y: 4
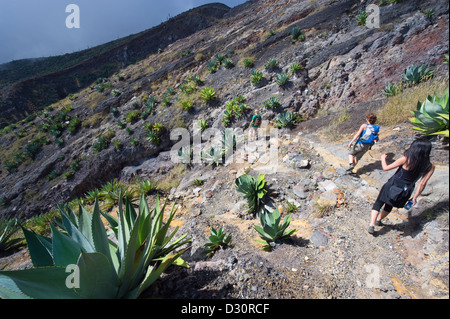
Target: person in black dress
x: 413, y: 165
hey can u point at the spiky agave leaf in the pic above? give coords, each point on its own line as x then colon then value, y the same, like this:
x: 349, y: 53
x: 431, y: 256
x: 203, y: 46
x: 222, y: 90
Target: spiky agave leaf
x: 431, y: 116
x: 108, y: 269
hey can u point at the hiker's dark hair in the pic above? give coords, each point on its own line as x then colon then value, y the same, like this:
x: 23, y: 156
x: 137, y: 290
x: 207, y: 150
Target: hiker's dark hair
x: 372, y: 118
x: 418, y: 156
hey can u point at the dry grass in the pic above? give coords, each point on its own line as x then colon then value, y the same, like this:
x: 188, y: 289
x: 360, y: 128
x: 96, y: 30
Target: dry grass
x: 397, y: 108
x: 331, y: 131
x: 171, y: 179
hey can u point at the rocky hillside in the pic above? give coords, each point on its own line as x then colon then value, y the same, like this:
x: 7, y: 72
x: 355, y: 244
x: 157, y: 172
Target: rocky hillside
x: 119, y: 128
x: 27, y: 86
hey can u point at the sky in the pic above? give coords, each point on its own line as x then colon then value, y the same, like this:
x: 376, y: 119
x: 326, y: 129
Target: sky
x: 40, y: 28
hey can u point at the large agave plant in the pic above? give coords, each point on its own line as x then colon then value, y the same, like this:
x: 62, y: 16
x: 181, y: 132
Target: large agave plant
x: 123, y: 267
x: 432, y: 116
x: 272, y: 231
x: 285, y: 119
x: 253, y: 190
x: 416, y: 74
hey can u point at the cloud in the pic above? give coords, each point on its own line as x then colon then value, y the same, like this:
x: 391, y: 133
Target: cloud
x: 31, y: 29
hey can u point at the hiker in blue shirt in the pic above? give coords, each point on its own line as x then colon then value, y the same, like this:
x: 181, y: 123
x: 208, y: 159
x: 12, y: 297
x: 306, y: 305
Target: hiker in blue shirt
x: 365, y: 138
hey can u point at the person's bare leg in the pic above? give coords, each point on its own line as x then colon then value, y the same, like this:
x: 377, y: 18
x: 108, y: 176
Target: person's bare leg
x: 373, y: 217
x: 382, y: 215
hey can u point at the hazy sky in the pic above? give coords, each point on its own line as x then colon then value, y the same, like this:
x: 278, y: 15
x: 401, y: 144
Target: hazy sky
x: 37, y: 28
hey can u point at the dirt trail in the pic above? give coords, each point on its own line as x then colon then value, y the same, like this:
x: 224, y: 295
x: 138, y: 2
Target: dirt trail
x: 331, y: 255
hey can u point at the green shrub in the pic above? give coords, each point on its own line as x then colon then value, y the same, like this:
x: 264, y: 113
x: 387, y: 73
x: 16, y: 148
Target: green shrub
x: 248, y: 62
x: 101, y: 144
x: 31, y: 150
x: 53, y: 174
x: 361, y: 18
x: 121, y: 124
x: 198, y: 182
x: 153, y: 138
x: 124, y: 268
x: 228, y: 63
x: 134, y: 141
x: 117, y: 144
x: 271, y: 231
x: 115, y: 93
x: 114, y: 111
x: 133, y: 117
x: 295, y: 67
x: 187, y: 105
x: 272, y: 64
x: 296, y: 34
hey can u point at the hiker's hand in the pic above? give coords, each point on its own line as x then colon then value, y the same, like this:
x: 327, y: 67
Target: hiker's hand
x: 383, y: 157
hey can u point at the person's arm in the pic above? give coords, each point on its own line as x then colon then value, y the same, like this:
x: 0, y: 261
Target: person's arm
x: 251, y: 123
x: 358, y: 134
x: 397, y: 163
x: 422, y: 184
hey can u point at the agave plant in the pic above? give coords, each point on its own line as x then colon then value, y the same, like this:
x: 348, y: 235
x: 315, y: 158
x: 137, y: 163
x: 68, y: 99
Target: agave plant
x: 285, y: 119
x: 8, y: 227
x: 212, y: 157
x: 432, y: 116
x: 257, y: 77
x: 80, y: 261
x: 282, y: 79
x: 253, y: 190
x: 392, y: 89
x: 361, y: 18
x: 146, y: 187
x: 203, y: 125
x: 416, y: 74
x: 153, y: 138
x: 208, y: 94
x: 272, y: 103
x: 218, y: 239
x: 272, y: 64
x: 271, y: 231
x: 229, y: 143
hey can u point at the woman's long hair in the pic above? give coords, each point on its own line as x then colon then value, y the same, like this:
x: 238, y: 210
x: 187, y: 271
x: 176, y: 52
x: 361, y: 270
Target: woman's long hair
x: 418, y: 156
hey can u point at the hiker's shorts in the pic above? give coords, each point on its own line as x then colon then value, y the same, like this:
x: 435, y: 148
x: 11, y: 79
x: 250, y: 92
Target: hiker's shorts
x: 359, y: 149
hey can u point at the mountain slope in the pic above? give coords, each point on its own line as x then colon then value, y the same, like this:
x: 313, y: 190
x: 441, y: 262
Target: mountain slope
x: 27, y: 86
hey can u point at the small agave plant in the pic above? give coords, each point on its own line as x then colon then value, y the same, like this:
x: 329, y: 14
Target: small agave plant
x: 253, y: 190
x: 432, y: 116
x: 81, y: 261
x: 218, y: 239
x: 272, y: 231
